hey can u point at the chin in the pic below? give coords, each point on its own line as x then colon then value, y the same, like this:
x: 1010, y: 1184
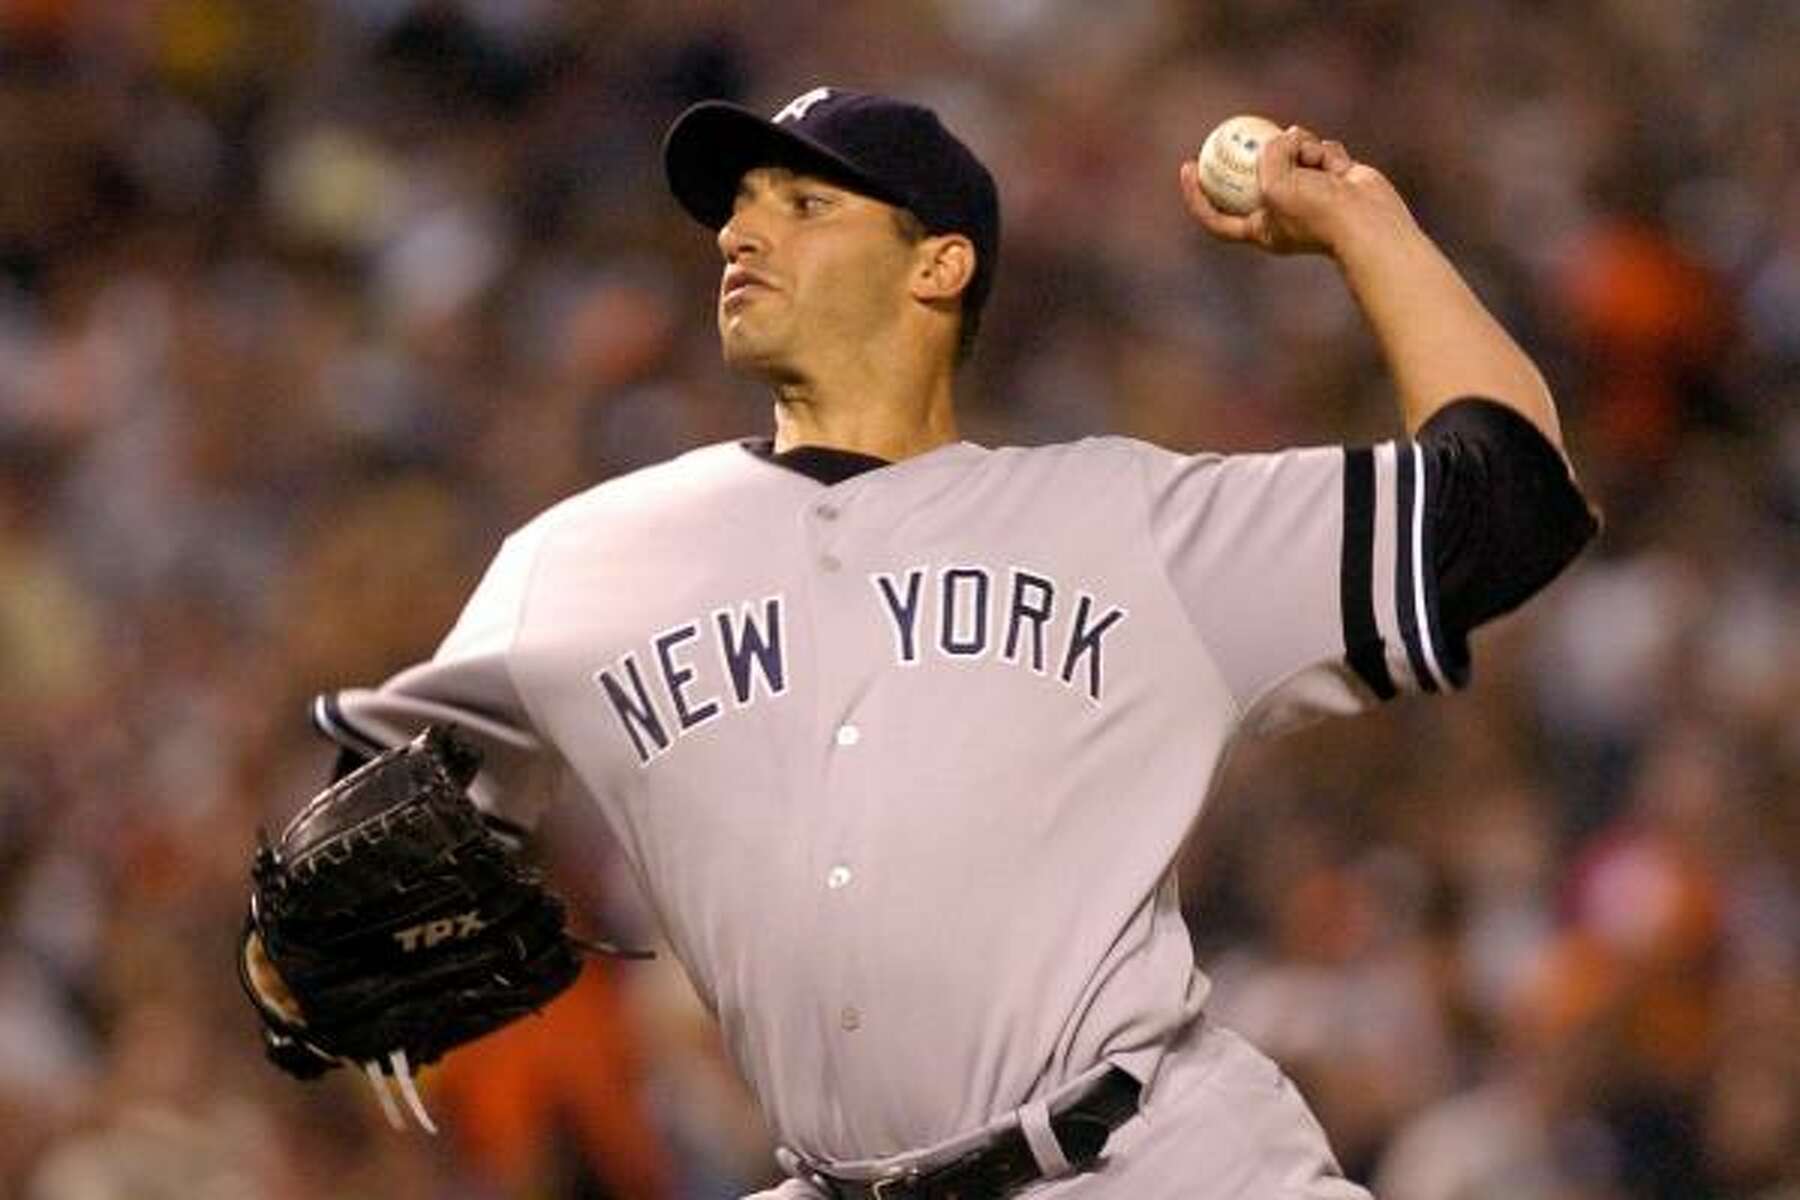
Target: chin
x: 749, y: 355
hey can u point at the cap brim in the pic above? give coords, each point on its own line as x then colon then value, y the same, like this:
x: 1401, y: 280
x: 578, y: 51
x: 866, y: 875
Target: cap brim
x: 712, y: 144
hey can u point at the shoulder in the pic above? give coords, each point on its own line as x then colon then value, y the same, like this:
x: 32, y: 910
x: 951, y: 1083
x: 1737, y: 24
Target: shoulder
x: 703, y: 470
x: 631, y: 505
x: 1099, y: 449
x: 1105, y: 471
x: 695, y: 476
x: 1099, y: 457
x: 627, y: 511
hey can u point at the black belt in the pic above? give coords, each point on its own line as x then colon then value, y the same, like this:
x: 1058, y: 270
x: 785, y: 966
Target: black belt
x: 1005, y: 1164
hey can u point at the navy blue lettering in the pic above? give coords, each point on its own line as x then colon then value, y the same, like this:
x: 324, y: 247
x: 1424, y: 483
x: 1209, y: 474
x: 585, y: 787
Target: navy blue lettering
x: 1084, y: 642
x: 1035, y: 612
x: 678, y: 675
x: 953, y: 640
x: 904, y: 612
x: 750, y: 650
x: 635, y: 710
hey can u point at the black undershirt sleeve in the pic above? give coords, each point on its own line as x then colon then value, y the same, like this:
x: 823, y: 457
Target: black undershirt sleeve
x: 1505, y: 515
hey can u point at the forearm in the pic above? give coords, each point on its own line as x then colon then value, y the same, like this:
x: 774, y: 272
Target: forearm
x: 1440, y: 342
x: 1502, y: 508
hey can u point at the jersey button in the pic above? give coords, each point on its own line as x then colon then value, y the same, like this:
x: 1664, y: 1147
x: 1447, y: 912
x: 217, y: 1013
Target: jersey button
x: 826, y: 512
x: 829, y: 563
x: 850, y: 1019
x: 848, y: 735
x: 837, y: 877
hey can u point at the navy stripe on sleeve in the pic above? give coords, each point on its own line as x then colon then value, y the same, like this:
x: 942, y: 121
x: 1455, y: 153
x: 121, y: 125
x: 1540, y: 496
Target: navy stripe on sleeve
x: 1405, y: 598
x: 1362, y: 639
x: 329, y: 719
x: 1448, y: 653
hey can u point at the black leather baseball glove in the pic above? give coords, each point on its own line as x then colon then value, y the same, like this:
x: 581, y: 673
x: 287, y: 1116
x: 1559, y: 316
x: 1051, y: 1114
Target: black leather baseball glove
x: 388, y: 924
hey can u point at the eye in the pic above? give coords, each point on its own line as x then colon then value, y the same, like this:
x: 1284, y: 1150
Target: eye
x: 812, y: 204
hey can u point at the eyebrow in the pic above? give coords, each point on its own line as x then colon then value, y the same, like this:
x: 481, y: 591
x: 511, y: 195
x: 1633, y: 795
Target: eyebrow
x: 775, y: 176
x: 778, y: 176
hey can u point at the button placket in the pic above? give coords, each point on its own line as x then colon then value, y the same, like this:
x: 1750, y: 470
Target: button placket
x: 839, y: 623
x: 825, y: 513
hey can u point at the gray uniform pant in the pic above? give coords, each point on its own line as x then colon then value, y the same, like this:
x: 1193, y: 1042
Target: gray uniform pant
x: 1219, y: 1122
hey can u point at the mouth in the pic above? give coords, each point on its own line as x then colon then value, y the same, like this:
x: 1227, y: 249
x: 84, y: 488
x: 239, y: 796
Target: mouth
x: 739, y: 287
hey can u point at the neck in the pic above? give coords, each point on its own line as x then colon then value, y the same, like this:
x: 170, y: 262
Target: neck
x: 891, y: 415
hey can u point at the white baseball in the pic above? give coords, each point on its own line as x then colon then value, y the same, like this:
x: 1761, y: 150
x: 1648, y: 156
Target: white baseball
x: 1228, y: 162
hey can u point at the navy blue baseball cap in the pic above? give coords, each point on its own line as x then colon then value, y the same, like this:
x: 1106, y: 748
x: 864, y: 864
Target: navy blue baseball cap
x: 894, y: 151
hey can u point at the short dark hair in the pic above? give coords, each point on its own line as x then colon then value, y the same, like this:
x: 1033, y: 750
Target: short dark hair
x: 912, y: 231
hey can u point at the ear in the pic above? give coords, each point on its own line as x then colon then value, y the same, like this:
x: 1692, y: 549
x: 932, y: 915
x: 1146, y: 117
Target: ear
x: 943, y: 266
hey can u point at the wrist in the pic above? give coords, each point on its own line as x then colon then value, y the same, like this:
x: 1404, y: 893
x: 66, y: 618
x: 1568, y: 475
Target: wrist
x: 1372, y: 228
x: 1374, y: 244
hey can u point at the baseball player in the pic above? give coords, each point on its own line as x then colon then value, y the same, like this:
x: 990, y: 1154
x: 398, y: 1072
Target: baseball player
x: 901, y: 735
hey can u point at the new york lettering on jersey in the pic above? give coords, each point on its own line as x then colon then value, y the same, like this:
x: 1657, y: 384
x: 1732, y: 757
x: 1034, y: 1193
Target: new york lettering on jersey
x: 1013, y: 617
x: 749, y: 642
x: 1012, y: 614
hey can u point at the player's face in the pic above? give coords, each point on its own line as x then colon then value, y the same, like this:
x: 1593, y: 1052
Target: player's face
x: 811, y: 270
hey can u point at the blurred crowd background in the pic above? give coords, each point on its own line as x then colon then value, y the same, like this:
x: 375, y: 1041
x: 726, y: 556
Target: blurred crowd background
x: 304, y: 305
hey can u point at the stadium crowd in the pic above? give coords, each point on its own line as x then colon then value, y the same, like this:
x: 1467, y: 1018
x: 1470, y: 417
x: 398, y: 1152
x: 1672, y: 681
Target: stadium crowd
x: 303, y: 306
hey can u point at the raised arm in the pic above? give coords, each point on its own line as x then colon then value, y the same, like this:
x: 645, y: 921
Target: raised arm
x: 1440, y: 341
x: 1501, y: 514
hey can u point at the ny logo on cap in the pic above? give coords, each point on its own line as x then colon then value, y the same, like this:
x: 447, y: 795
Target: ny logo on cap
x: 799, y: 106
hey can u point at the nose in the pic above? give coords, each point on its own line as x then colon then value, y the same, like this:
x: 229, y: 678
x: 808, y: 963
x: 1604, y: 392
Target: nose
x: 740, y: 236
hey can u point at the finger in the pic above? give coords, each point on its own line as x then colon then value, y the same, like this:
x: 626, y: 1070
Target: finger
x: 1323, y: 154
x: 1278, y: 158
x: 1284, y: 148
x: 1309, y: 148
x: 1222, y: 225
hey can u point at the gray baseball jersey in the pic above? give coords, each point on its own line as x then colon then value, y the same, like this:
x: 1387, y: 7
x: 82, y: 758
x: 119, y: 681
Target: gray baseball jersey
x: 902, y: 763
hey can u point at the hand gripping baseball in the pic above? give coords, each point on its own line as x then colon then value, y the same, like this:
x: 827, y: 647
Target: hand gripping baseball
x: 1314, y: 198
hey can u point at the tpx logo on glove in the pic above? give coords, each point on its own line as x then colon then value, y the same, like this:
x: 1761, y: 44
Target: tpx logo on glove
x: 427, y: 934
